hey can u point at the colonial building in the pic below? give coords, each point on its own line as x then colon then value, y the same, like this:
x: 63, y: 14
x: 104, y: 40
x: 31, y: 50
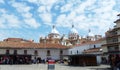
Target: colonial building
x: 88, y: 53
x: 19, y: 47
x: 112, y: 42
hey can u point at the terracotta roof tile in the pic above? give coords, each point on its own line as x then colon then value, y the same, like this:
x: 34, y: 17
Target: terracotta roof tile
x: 8, y: 44
x: 90, y: 42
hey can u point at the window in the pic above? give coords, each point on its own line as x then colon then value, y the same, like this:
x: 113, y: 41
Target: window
x: 7, y: 52
x: 71, y: 52
x: 94, y: 46
x: 25, y: 52
x: 77, y: 51
x: 61, y: 52
x: 113, y: 48
x: 36, y: 52
x: 48, y: 52
x: 115, y: 40
x: 15, y: 52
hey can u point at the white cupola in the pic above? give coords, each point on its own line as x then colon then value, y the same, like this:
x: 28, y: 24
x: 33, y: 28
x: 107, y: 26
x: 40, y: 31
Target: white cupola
x: 54, y: 33
x: 73, y: 34
x: 90, y: 33
x: 91, y: 36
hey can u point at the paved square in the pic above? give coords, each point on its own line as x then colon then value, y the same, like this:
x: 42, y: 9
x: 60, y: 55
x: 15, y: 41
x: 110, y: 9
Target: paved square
x: 57, y: 67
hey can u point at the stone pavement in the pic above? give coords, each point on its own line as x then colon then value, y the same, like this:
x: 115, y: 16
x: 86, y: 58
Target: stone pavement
x: 57, y: 67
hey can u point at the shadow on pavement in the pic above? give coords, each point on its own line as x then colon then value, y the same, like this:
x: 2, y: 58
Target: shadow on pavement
x: 100, y: 68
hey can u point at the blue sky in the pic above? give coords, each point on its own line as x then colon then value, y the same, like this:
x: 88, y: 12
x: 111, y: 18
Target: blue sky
x: 30, y: 19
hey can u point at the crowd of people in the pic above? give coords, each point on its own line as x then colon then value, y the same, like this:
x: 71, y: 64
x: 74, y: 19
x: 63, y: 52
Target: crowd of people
x: 19, y: 60
x: 114, y: 61
x: 15, y: 60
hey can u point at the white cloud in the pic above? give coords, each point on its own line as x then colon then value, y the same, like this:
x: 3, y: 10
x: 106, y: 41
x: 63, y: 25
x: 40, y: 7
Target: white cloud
x: 48, y: 4
x: 12, y: 21
x: 2, y: 11
x: 9, y: 21
x: 42, y: 9
x: 61, y: 19
x: 2, y: 1
x: 102, y: 17
x: 46, y: 17
x: 21, y: 7
x: 33, y: 1
x: 66, y: 8
x: 84, y: 5
x: 27, y: 15
x: 2, y: 23
x: 32, y: 22
x: 43, y: 2
x: 24, y: 10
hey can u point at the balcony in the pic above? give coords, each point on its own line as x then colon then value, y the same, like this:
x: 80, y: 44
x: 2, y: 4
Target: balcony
x: 111, y: 33
x: 112, y: 40
x: 114, y: 48
x: 114, y: 52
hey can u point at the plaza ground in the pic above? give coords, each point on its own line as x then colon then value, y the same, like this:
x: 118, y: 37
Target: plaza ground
x: 57, y: 67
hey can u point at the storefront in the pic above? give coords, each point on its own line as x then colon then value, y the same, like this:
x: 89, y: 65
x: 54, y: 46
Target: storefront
x: 84, y: 60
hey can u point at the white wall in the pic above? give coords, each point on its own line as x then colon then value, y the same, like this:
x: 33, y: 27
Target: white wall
x: 104, y: 48
x: 99, y: 60
x: 80, y: 49
x: 55, y: 53
x: 118, y: 24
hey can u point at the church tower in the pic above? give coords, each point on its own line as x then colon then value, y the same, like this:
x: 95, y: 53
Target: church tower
x: 90, y: 36
x: 73, y: 36
x: 53, y: 37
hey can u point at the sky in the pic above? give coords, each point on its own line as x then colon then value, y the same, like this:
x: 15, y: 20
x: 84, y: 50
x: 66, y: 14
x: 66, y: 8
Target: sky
x: 31, y: 19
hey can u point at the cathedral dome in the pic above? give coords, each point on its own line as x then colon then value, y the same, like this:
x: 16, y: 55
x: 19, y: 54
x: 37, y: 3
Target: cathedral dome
x: 73, y: 30
x: 90, y: 33
x: 54, y: 31
x: 73, y: 34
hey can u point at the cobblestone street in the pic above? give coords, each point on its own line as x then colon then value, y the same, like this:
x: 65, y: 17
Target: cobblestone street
x: 57, y: 67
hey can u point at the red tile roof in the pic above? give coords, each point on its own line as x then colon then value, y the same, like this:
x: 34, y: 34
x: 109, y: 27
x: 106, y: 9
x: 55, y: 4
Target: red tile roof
x: 17, y: 40
x: 91, y: 42
x: 111, y: 44
x: 9, y: 44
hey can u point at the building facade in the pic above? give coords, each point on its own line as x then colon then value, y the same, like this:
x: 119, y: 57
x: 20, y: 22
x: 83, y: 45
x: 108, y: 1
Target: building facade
x: 19, y: 47
x: 112, y: 42
x: 86, y: 54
